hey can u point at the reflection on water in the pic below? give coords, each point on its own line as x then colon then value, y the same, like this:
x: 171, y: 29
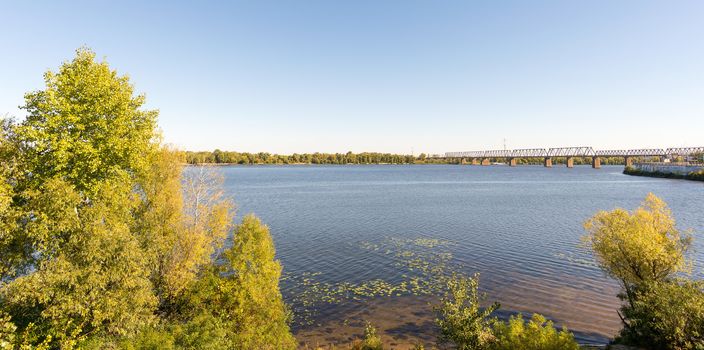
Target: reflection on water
x: 337, y: 228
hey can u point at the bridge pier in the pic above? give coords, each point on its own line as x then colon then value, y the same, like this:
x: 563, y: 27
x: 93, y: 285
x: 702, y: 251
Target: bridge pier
x: 486, y: 161
x: 512, y: 162
x: 475, y: 161
x: 548, y: 162
x: 629, y: 161
x: 570, y: 162
x: 596, y: 162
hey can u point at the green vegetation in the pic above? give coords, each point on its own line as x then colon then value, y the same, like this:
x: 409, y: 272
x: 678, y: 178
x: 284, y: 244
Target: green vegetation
x: 536, y: 334
x: 694, y: 175
x: 667, y: 315
x: 639, y: 247
x: 465, y: 324
x: 461, y: 320
x: 645, y: 252
x: 371, y: 340
x: 224, y: 157
x: 425, y: 260
x: 237, y: 301
x: 107, y: 243
x: 227, y: 157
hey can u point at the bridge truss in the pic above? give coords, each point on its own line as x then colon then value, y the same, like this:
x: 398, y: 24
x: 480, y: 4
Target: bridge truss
x: 685, y: 151
x: 529, y: 153
x: 571, y: 152
x: 583, y: 151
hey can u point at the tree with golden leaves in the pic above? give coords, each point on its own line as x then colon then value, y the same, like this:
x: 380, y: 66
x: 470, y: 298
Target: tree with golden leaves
x: 640, y: 246
x: 647, y: 254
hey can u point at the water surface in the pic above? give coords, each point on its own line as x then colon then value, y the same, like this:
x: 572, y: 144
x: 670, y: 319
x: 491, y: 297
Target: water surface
x: 519, y: 227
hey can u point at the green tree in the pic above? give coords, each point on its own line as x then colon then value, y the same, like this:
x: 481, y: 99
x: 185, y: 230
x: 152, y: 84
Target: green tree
x: 91, y: 281
x: 461, y: 319
x: 104, y: 238
x: 243, y: 291
x: 95, y: 231
x: 536, y: 334
x: 667, y: 315
x: 85, y: 125
x: 13, y: 241
x: 78, y: 269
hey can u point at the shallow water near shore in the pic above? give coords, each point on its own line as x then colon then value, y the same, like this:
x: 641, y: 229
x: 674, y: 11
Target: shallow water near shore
x: 375, y: 242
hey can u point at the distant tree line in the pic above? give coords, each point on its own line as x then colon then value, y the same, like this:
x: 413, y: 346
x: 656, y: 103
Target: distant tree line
x: 225, y: 157
x: 229, y: 157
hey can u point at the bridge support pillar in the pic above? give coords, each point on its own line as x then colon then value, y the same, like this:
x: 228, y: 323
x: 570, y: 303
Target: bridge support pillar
x: 512, y: 162
x: 596, y: 162
x: 570, y: 162
x: 475, y: 161
x: 629, y: 161
x: 486, y: 161
x: 548, y: 162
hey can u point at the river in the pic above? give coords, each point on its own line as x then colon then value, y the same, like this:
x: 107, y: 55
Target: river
x: 348, y: 229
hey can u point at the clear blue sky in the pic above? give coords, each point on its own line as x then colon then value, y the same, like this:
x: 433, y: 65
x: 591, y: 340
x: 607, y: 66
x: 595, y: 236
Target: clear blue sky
x: 389, y: 76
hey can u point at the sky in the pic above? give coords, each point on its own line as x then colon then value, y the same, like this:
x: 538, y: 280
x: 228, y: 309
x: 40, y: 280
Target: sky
x: 385, y: 76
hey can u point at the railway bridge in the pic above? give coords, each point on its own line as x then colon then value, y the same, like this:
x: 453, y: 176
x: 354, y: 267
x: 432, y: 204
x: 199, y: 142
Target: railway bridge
x: 569, y: 153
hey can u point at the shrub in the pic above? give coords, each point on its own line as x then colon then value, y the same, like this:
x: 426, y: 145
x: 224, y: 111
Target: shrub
x: 536, y: 334
x: 667, y: 315
x: 205, y: 332
x: 461, y: 319
x: 371, y: 341
x: 153, y: 339
x: 7, y: 332
x: 696, y: 175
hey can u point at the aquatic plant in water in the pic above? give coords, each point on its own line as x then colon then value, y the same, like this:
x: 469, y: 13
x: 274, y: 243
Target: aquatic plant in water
x: 426, y: 264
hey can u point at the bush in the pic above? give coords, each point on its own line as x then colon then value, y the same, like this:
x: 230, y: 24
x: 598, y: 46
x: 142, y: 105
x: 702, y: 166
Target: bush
x: 371, y: 341
x: 7, y: 332
x: 153, y: 339
x: 667, y: 315
x: 536, y: 334
x: 696, y: 175
x: 461, y: 319
x: 205, y: 332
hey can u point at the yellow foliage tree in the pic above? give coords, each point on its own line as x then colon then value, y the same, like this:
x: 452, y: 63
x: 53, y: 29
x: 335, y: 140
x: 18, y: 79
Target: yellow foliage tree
x: 640, y: 246
x: 180, y: 226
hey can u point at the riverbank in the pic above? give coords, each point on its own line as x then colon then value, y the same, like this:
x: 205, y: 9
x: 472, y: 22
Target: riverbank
x: 668, y: 171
